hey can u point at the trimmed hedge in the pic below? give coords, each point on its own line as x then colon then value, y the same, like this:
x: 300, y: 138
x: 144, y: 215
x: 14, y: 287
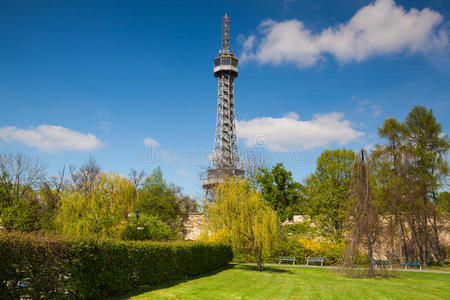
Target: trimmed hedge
x: 54, y: 268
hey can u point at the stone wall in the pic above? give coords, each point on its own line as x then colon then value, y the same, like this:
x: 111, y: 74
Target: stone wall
x: 384, y: 248
x: 192, y: 225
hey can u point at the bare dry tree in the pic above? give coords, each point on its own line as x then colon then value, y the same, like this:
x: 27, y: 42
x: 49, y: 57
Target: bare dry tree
x: 252, y: 161
x: 136, y: 178
x: 364, y: 216
x: 22, y: 173
x: 84, y: 178
x: 52, y: 188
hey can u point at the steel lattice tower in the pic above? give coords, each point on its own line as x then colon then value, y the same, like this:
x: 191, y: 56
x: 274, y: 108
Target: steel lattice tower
x: 225, y: 161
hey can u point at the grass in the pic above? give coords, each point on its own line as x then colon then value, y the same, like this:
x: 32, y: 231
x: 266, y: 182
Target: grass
x: 445, y: 268
x: 244, y: 282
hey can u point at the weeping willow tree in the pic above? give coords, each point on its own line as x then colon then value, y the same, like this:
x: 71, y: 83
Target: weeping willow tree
x: 240, y: 213
x: 364, y: 216
x: 101, y: 211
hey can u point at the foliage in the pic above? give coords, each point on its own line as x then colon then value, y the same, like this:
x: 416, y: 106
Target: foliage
x: 21, y: 216
x: 326, y: 191
x: 305, y: 229
x: 279, y: 190
x: 150, y: 228
x: 5, y: 188
x: 411, y: 169
x: 241, y: 212
x: 19, y: 176
x: 100, y: 211
x: 443, y: 202
x: 300, y: 248
x: 157, y: 198
x: 56, y: 268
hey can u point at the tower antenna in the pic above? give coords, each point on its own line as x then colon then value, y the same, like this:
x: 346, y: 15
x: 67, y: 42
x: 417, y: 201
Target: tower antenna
x: 226, y: 35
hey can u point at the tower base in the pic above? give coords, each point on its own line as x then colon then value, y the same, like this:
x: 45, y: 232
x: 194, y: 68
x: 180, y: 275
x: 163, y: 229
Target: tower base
x: 215, y: 177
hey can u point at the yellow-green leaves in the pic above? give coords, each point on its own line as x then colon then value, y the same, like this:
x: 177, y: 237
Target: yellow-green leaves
x: 239, y: 212
x: 101, y: 211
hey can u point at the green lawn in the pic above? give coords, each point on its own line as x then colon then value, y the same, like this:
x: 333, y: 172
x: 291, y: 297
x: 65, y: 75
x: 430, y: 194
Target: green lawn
x: 244, y: 282
x: 445, y: 268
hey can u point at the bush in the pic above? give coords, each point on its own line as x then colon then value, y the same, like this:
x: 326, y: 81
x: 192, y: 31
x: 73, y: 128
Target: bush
x: 302, y: 248
x: 151, y: 229
x: 58, y: 268
x: 22, y: 215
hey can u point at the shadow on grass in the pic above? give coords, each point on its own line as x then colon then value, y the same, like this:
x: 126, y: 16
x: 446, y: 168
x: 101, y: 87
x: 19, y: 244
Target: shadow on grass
x: 265, y: 269
x: 148, y: 288
x: 363, y: 273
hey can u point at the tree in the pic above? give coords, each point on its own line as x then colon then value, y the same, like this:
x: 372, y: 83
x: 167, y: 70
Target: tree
x: 21, y: 173
x: 427, y: 146
x: 136, y: 178
x: 389, y: 169
x: 363, y: 212
x: 50, y: 193
x: 241, y: 213
x: 85, y: 178
x: 410, y: 171
x: 279, y: 190
x: 158, y: 199
x: 443, y: 202
x: 187, y: 204
x: 252, y: 162
x: 150, y: 228
x: 101, y: 211
x: 326, y: 191
x: 20, y: 176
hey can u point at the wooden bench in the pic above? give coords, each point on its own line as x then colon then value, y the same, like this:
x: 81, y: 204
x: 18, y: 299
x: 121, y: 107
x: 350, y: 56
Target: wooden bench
x: 413, y: 264
x: 285, y: 258
x: 379, y: 262
x: 314, y: 259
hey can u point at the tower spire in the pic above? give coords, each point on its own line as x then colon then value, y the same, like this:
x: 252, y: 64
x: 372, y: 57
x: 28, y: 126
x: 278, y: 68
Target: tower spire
x: 225, y: 160
x: 226, y: 49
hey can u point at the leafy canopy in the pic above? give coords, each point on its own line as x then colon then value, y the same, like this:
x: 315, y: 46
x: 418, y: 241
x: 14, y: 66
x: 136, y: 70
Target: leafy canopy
x: 241, y: 213
x: 279, y: 190
x: 101, y: 211
x: 326, y: 190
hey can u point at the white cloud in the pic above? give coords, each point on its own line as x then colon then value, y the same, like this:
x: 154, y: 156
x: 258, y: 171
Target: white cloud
x: 376, y: 110
x: 105, y: 125
x: 51, y: 138
x: 291, y: 134
x: 183, y: 172
x: 151, y: 142
x: 378, y: 28
x: 366, y: 103
x: 291, y: 115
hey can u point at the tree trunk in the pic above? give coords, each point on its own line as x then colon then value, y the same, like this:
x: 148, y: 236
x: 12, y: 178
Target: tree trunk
x: 258, y: 256
x: 439, y: 255
x: 424, y: 241
x: 370, y: 254
x: 259, y: 265
x: 400, y: 239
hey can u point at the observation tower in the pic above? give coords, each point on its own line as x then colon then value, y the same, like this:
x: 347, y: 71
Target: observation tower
x: 225, y: 161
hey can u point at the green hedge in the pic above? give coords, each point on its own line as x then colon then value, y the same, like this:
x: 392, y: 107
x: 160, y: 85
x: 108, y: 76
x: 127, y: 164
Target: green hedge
x: 55, y: 268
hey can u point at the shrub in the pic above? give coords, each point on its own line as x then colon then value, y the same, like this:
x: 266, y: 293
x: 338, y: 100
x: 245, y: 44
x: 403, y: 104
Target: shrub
x: 59, y: 268
x: 151, y: 228
x: 19, y: 216
x: 302, y: 248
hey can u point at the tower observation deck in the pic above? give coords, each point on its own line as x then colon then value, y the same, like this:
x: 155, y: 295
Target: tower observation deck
x: 225, y: 161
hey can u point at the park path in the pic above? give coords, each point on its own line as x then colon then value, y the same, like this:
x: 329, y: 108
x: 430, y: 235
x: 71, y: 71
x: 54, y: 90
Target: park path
x: 334, y: 267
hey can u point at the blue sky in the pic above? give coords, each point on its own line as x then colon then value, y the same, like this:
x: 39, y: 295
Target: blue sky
x: 96, y: 78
